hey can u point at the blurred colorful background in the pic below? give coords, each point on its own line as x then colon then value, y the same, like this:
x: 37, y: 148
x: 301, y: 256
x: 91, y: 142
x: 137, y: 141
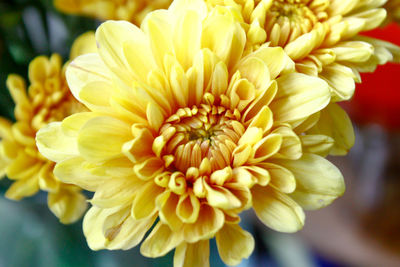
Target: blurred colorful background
x: 359, y: 229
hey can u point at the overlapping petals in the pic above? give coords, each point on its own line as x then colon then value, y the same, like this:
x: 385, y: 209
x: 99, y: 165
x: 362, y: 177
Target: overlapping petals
x: 47, y: 99
x: 185, y: 131
x: 322, y: 37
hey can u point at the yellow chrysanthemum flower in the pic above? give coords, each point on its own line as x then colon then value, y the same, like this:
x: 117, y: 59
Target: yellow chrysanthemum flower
x: 48, y: 99
x: 182, y: 128
x: 131, y: 10
x: 321, y: 36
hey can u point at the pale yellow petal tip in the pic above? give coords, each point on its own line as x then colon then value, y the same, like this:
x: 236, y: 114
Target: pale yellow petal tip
x: 23, y: 188
x: 84, y: 44
x: 67, y: 205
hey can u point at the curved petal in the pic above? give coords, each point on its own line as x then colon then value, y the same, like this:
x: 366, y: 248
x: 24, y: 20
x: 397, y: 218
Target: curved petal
x: 234, y: 244
x: 318, y: 181
x: 102, y: 138
x: 192, y: 255
x: 210, y: 220
x: 67, y: 205
x: 277, y: 210
x: 160, y: 241
x: 78, y: 171
x: 335, y: 123
x: 54, y: 144
x: 144, y: 204
x: 299, y: 96
x: 84, y: 44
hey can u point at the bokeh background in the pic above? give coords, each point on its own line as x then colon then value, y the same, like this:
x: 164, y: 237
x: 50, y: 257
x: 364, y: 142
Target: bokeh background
x: 360, y: 229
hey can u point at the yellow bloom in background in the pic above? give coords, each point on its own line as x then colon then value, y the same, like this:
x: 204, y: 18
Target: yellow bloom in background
x: 321, y: 36
x: 183, y: 128
x: 47, y: 99
x: 131, y: 10
x: 393, y: 10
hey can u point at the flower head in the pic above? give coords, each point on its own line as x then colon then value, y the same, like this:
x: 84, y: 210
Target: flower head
x: 182, y: 127
x: 131, y: 10
x: 47, y: 99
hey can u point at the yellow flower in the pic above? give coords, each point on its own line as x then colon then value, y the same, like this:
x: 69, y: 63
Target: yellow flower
x: 184, y: 129
x: 321, y: 36
x: 131, y: 10
x: 48, y: 99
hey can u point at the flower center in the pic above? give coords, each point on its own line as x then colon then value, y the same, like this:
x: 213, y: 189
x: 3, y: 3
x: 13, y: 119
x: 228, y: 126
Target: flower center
x: 293, y: 18
x: 200, y: 136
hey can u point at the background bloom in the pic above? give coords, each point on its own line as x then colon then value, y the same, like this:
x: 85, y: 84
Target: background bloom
x: 184, y: 128
x: 47, y: 99
x: 322, y: 38
x: 131, y: 10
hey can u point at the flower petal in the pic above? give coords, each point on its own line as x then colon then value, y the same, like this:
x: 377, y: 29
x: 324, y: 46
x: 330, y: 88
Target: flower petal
x: 299, y: 96
x: 317, y: 144
x: 160, y: 241
x: 192, y: 255
x: 84, y: 44
x: 125, y: 49
x: 67, y: 205
x: 277, y: 210
x: 78, y: 171
x: 234, y: 244
x: 319, y: 182
x: 102, y: 138
x: 335, y: 123
x: 144, y: 204
x: 23, y: 188
x: 210, y: 220
x: 276, y: 59
x: 54, y: 144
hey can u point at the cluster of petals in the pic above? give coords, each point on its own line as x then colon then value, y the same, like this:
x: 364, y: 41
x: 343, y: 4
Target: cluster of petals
x: 185, y: 129
x: 130, y: 10
x: 322, y: 38
x: 47, y: 99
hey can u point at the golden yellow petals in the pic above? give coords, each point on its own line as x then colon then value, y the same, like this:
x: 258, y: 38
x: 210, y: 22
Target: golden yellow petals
x: 188, y: 124
x: 160, y: 241
x: 276, y: 59
x: 188, y: 208
x: 114, y: 228
x: 144, y: 204
x: 110, y: 194
x: 318, y: 182
x: 299, y: 96
x: 340, y: 79
x: 67, y: 205
x: 84, y: 44
x: 167, y: 204
x: 234, y: 244
x: 192, y: 254
x: 102, y: 138
x: 277, y: 210
x: 280, y: 177
x: 54, y: 144
x: 23, y: 188
x: 317, y: 144
x: 210, y: 220
x: 335, y: 123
